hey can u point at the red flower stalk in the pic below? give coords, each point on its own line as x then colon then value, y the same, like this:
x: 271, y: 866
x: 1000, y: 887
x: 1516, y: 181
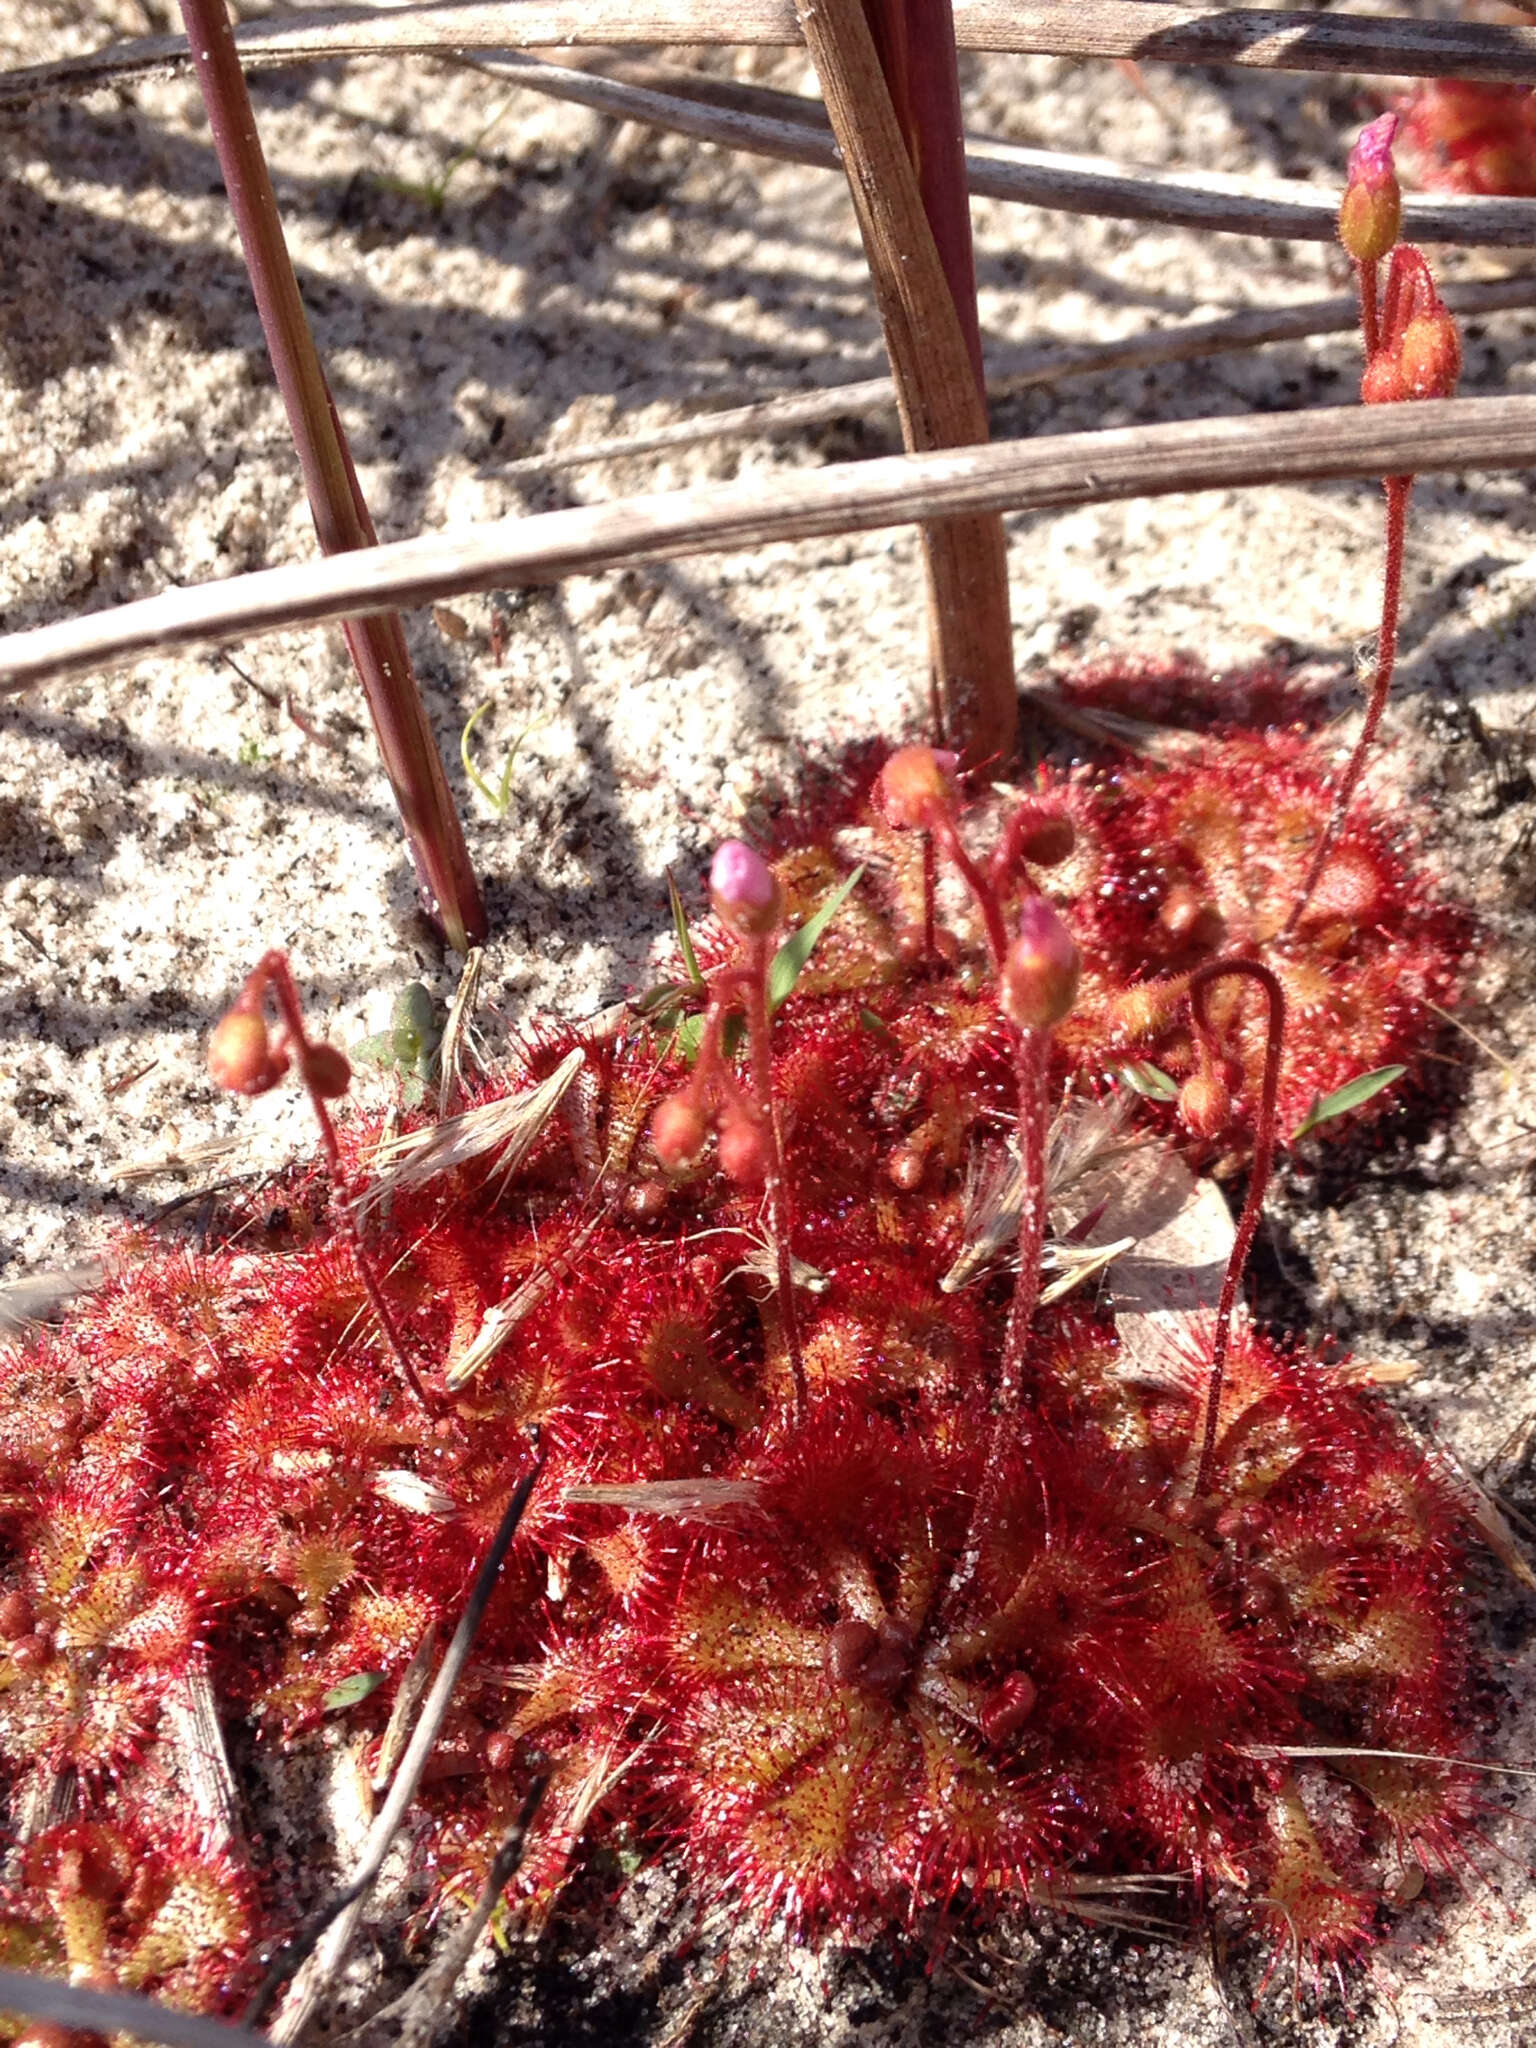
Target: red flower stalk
x: 1413, y: 350
x: 1258, y: 1178
x: 243, y: 1059
x: 916, y: 791
x: 750, y: 904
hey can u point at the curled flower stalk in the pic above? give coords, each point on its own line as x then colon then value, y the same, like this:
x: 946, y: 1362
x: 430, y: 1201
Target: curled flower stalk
x: 244, y: 1058
x: 1200, y: 987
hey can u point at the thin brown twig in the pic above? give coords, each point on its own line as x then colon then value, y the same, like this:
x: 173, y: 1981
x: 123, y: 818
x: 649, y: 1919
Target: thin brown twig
x: 974, y: 701
x: 327, y: 1944
x: 1050, y: 363
x: 791, y: 128
x: 1145, y: 31
x: 1366, y: 442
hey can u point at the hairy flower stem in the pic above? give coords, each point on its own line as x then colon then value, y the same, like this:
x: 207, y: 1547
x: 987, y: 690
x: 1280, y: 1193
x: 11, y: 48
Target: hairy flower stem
x: 1031, y: 1063
x: 1397, y: 489
x: 746, y: 987
x: 942, y: 826
x: 1370, y: 319
x: 780, y: 1216
x: 1200, y: 985
x: 273, y: 973
x: 930, y: 886
x: 377, y: 644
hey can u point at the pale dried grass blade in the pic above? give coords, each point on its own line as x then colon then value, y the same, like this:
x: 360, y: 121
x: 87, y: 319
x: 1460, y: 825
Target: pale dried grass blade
x: 450, y: 1052
x: 509, y: 1127
x: 1485, y: 1515
x: 687, y: 1500
x: 38, y: 1297
x: 1051, y: 363
x: 1368, y: 442
x: 413, y: 1684
x: 504, y: 1317
x: 190, y: 1722
x: 320, y: 1967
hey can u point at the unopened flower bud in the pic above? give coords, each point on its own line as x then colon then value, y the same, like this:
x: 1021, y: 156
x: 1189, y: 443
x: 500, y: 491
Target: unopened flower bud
x: 913, y: 782
x: 1383, y: 382
x: 1429, y: 356
x: 679, y: 1132
x: 16, y: 1618
x: 327, y: 1070
x: 1205, y: 1105
x: 744, y: 1151
x: 1372, y: 212
x: 241, y: 1057
x: 1041, y: 971
x: 744, y: 890
x: 1186, y: 916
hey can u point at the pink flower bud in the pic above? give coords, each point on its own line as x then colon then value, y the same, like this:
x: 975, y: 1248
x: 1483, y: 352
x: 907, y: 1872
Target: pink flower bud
x: 744, y: 1151
x: 914, y: 781
x: 1429, y: 356
x: 327, y: 1070
x: 679, y: 1132
x: 1041, y: 972
x: 1372, y: 210
x: 1205, y: 1104
x: 1383, y: 382
x: 744, y: 890
x: 241, y: 1057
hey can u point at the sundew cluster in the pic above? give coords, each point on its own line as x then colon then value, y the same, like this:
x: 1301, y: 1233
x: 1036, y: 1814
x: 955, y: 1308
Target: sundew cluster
x: 870, y: 1571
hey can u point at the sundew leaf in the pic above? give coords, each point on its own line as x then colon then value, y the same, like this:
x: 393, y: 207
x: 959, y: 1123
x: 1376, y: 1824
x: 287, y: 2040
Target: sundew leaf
x: 352, y: 1690
x: 1145, y: 1079
x: 684, y: 937
x: 1326, y: 1107
x: 790, y: 960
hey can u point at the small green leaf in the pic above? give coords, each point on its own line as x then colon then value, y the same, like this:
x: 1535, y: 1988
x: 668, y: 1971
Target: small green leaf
x: 684, y: 940
x: 416, y: 1029
x: 789, y: 962
x: 351, y: 1690
x: 690, y: 1036
x: 377, y: 1051
x: 1326, y: 1107
x: 876, y: 1024
x: 1145, y: 1079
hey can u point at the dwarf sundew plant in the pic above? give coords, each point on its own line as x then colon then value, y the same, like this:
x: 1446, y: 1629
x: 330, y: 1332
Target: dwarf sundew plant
x: 912, y: 1537
x: 885, y: 1598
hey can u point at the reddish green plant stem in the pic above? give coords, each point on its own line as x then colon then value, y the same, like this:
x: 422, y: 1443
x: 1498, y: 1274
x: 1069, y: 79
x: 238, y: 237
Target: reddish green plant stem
x: 273, y: 973
x: 1031, y: 1066
x: 1398, y: 489
x: 377, y: 644
x: 945, y: 831
x: 1200, y: 985
x: 780, y: 1215
x: 746, y: 988
x: 930, y: 885
x: 1370, y: 319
